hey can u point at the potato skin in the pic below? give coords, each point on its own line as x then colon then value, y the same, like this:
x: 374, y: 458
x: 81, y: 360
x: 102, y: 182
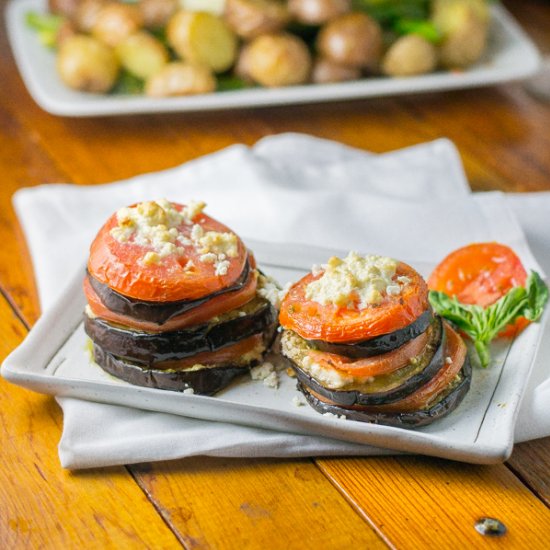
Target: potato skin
x: 180, y: 78
x: 157, y: 13
x: 353, y: 39
x: 115, y: 22
x: 86, y: 64
x: 317, y: 12
x: 63, y: 7
x: 86, y: 14
x: 409, y: 55
x: 274, y: 60
x: 252, y: 18
x: 326, y: 71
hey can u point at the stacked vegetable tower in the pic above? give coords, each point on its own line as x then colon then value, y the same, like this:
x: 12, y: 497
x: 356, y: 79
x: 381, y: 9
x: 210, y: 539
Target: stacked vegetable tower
x: 175, y: 300
x: 364, y: 343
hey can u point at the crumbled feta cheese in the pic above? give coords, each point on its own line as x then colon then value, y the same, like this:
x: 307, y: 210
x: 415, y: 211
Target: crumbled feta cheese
x: 188, y: 391
x: 335, y: 416
x: 261, y: 372
x: 449, y: 360
x: 298, y: 401
x: 356, y: 280
x: 270, y: 290
x: 193, y: 209
x: 208, y: 258
x: 222, y: 267
x: 150, y: 258
x: 272, y: 380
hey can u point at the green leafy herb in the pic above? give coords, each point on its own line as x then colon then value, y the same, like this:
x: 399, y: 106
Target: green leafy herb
x: 483, y: 325
x: 227, y: 83
x: 46, y: 25
x: 388, y: 11
x: 128, y: 84
x: 425, y: 29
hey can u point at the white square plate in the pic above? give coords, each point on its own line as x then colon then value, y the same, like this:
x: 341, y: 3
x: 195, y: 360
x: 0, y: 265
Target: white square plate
x: 510, y: 55
x: 53, y: 359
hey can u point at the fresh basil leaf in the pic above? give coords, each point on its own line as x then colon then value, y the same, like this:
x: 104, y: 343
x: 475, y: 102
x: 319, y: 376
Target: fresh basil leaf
x: 537, y: 297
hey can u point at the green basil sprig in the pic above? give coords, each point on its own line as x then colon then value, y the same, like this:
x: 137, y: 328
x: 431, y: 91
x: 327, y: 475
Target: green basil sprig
x: 483, y: 324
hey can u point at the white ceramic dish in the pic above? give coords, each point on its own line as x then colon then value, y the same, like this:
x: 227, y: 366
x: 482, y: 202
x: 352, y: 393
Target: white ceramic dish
x: 511, y: 55
x: 53, y: 360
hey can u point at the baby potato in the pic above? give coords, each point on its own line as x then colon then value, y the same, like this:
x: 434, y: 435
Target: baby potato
x: 157, y: 13
x: 409, y: 55
x: 353, y: 39
x: 281, y: 59
x: 180, y: 78
x: 317, y: 12
x: 203, y: 38
x: 141, y: 54
x: 326, y: 71
x: 63, y: 7
x: 115, y: 22
x: 84, y: 63
x: 251, y: 18
x: 86, y: 14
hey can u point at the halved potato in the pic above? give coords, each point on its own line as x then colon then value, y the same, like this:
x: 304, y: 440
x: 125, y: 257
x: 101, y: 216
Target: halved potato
x: 203, y: 38
x: 180, y: 78
x: 410, y: 55
x: 326, y: 71
x: 157, y: 13
x: 141, y: 54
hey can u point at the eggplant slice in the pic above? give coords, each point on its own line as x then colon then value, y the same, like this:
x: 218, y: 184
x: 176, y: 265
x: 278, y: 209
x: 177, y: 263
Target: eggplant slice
x: 157, y: 312
x: 149, y: 348
x: 410, y: 378
x: 206, y: 381
x: 379, y: 344
x: 448, y: 403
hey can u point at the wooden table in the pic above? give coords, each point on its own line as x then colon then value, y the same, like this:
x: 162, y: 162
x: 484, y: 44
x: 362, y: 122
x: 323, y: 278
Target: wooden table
x: 503, y: 135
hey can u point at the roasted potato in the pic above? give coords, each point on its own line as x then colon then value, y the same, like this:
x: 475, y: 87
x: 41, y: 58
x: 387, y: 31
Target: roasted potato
x: 203, y: 38
x: 281, y: 59
x: 353, y: 39
x: 464, y: 25
x: 317, y: 12
x: 326, y: 71
x: 64, y: 7
x: 157, y: 13
x: 180, y: 78
x: 251, y: 18
x: 84, y: 63
x: 409, y: 55
x: 141, y: 54
x: 115, y: 22
x: 86, y: 14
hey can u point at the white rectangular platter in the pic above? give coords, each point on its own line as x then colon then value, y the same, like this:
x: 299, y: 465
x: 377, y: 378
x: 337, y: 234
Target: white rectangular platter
x: 54, y: 360
x: 510, y: 55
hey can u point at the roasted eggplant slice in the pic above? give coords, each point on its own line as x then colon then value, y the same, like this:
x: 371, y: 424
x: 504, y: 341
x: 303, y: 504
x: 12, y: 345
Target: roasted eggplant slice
x: 204, y: 381
x: 157, y: 312
x: 380, y: 344
x: 448, y: 401
x: 258, y: 316
x: 381, y: 389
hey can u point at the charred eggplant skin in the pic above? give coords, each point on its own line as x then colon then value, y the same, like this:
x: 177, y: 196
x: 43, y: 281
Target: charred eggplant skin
x: 411, y: 384
x: 207, y: 381
x: 401, y: 420
x: 149, y: 348
x: 157, y: 312
x: 379, y: 344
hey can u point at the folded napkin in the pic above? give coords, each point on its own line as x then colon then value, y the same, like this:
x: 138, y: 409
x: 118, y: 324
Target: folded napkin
x: 287, y: 188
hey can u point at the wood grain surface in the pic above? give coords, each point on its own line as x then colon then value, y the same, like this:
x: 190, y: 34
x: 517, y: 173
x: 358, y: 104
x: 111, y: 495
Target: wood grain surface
x: 503, y: 136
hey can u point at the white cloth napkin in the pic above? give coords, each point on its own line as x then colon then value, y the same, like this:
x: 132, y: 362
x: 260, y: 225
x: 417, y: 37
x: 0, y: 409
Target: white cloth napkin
x: 414, y: 204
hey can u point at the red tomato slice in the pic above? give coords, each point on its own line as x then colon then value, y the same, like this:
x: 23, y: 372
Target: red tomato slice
x: 480, y: 273
x: 372, y: 366
x: 332, y: 323
x: 216, y: 306
x: 223, y: 356
x: 119, y: 265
